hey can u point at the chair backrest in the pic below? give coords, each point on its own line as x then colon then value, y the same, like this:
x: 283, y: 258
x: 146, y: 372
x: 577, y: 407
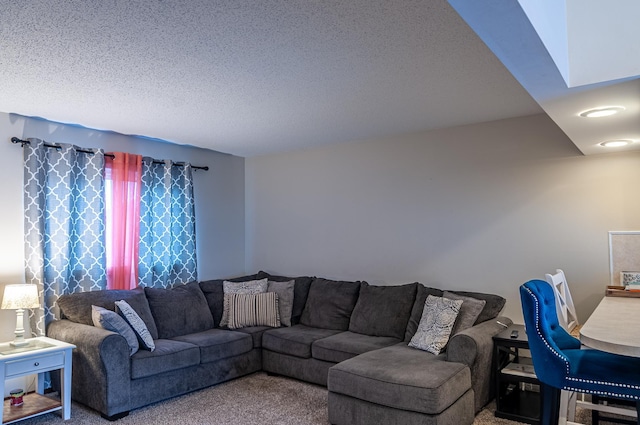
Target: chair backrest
x: 564, y: 303
x: 547, y: 339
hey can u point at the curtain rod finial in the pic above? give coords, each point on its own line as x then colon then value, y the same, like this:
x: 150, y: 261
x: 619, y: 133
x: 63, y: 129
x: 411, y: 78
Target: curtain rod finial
x: 16, y: 141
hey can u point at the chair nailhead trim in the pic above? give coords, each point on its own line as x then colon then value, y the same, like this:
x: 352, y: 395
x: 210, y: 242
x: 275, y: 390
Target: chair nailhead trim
x: 537, y: 306
x: 603, y: 393
x: 613, y: 384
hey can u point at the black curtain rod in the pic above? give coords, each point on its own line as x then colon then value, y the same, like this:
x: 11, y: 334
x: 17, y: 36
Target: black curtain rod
x: 110, y: 155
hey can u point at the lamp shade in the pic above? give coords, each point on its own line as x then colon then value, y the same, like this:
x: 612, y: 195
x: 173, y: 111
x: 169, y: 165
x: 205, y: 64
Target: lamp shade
x: 20, y: 296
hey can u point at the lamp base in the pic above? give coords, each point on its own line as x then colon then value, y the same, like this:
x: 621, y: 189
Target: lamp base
x: 19, y: 340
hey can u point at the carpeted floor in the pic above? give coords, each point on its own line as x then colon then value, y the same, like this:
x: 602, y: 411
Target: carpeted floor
x: 256, y: 399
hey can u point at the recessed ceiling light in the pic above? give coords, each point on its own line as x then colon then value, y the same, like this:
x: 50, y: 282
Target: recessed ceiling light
x: 616, y: 143
x: 601, y: 111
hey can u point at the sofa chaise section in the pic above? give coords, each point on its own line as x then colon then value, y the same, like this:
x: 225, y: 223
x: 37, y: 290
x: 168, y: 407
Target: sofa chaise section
x: 403, y: 385
x: 400, y: 379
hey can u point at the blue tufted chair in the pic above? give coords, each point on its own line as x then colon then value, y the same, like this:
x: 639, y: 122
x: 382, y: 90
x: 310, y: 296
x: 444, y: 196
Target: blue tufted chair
x: 559, y: 362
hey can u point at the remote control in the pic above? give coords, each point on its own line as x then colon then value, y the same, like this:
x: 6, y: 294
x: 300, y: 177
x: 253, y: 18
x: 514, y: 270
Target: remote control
x: 514, y: 334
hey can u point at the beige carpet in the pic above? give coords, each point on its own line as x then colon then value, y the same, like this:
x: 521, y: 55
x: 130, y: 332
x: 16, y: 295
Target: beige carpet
x: 255, y: 399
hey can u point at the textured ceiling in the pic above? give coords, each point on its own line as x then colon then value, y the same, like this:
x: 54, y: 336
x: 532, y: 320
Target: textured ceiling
x: 251, y: 77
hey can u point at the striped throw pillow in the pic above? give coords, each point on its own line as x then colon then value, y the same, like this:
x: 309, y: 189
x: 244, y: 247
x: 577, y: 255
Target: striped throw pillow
x: 252, y: 310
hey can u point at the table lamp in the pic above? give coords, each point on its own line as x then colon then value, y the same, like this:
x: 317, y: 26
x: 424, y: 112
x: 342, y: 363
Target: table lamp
x: 18, y: 297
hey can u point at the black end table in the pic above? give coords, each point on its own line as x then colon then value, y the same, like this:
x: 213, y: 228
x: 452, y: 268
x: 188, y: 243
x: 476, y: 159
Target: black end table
x: 517, y: 388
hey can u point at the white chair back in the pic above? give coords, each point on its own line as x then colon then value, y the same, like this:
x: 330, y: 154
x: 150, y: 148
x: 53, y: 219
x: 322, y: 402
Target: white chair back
x: 564, y: 303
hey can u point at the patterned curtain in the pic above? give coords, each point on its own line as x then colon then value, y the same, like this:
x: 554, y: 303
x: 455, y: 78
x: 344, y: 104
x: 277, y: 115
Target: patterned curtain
x: 64, y: 224
x: 167, y: 225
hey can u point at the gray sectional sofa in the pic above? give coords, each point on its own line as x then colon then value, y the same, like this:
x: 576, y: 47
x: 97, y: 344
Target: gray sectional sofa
x: 348, y: 336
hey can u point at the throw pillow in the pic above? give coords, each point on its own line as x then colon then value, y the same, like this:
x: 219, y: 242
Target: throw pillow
x: 252, y: 310
x: 492, y: 308
x: 247, y: 287
x: 300, y: 292
x: 418, y: 308
x: 469, y: 311
x: 285, y: 291
x: 179, y: 311
x: 438, y: 317
x: 111, y: 321
x: 136, y: 323
x: 383, y: 310
x: 330, y: 304
x: 214, y: 293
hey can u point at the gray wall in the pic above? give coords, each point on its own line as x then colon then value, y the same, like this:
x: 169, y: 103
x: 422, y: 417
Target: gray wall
x: 482, y: 207
x: 219, y: 196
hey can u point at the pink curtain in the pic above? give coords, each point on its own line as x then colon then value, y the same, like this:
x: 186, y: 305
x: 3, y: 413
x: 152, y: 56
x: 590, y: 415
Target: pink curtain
x: 122, y: 209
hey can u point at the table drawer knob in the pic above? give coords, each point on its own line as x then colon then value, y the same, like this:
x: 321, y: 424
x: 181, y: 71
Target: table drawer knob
x: 36, y: 364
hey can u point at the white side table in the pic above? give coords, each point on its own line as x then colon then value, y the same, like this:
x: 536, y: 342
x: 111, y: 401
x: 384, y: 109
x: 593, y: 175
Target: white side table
x: 41, y: 355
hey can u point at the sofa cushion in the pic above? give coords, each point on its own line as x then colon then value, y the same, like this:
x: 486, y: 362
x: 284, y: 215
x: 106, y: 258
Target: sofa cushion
x: 418, y: 306
x: 112, y: 321
x: 285, y: 291
x: 492, y: 308
x: 295, y: 341
x: 300, y: 292
x: 469, y: 311
x: 77, y: 307
x: 179, y: 311
x: 214, y: 293
x: 402, y: 378
x: 245, y: 310
x: 339, y: 347
x: 436, y: 324
x: 217, y: 344
x: 330, y: 304
x: 168, y: 355
x: 383, y: 310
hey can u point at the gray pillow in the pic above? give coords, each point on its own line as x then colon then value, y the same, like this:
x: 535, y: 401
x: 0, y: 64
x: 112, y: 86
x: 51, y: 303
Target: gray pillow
x: 111, y: 321
x: 469, y: 311
x: 329, y: 304
x: 129, y: 314
x: 251, y: 287
x: 383, y: 310
x: 285, y: 291
x: 77, y: 307
x: 438, y: 317
x: 300, y: 292
x: 179, y: 311
x: 492, y: 308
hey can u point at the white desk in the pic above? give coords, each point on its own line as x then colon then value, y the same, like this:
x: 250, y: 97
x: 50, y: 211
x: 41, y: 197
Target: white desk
x: 613, y: 326
x: 43, y: 355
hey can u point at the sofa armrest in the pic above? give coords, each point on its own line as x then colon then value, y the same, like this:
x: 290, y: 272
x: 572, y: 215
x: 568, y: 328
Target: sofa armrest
x: 474, y: 347
x: 101, y: 371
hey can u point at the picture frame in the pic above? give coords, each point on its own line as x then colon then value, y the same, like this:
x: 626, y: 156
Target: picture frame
x: 629, y: 278
x: 624, y: 255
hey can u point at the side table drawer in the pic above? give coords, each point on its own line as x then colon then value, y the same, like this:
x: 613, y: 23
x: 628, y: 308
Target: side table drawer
x: 34, y: 364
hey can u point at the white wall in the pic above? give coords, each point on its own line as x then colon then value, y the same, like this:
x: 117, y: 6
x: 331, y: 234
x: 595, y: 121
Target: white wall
x: 219, y: 196
x: 482, y: 207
